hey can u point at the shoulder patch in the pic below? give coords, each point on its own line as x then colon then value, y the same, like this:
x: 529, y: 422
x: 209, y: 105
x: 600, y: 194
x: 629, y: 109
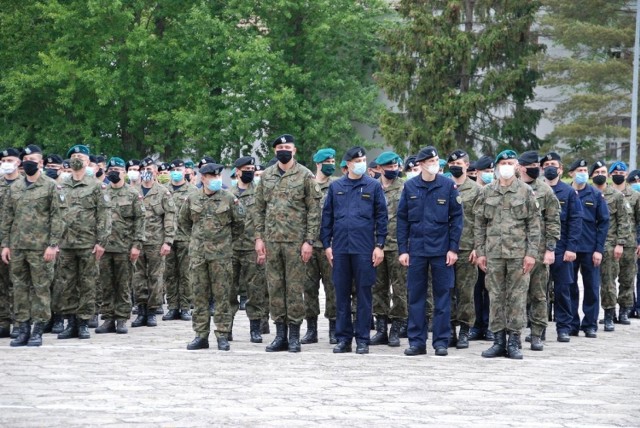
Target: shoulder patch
x: 106, y: 197
x: 103, y: 186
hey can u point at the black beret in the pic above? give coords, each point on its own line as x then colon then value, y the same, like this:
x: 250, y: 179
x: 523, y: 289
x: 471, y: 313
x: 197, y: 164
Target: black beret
x: 633, y: 176
x: 549, y: 157
x: 176, y: 163
x: 596, y: 165
x: 373, y: 164
x: 409, y: 163
x: 472, y: 167
x: 528, y: 158
x: 66, y: 163
x: 456, y: 154
x: 212, y: 169
x: 259, y: 167
x: 53, y: 158
x: 10, y: 152
x: 428, y: 152
x: 283, y: 139
x: 485, y: 162
x: 30, y: 149
x: 100, y: 159
x: 133, y: 162
x: 576, y: 164
x: 205, y: 160
x: 354, y: 152
x: 244, y: 160
x: 147, y: 162
x: 163, y: 166
x: 93, y: 159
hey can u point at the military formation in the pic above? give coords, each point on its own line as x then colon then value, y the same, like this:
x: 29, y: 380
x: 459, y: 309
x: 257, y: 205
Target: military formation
x: 434, y: 244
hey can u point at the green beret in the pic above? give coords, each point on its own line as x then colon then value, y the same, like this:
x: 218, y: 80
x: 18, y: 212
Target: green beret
x: 324, y: 154
x: 115, y: 161
x: 506, y: 154
x: 387, y: 158
x: 343, y: 164
x: 78, y: 148
x: 189, y: 164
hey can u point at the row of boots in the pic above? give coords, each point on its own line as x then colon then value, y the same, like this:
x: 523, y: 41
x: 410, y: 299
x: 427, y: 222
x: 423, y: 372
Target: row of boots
x: 503, y: 348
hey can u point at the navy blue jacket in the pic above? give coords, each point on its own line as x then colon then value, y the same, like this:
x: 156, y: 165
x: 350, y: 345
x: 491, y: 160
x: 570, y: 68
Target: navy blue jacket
x: 430, y: 217
x: 595, y: 221
x: 570, y: 218
x: 354, y: 216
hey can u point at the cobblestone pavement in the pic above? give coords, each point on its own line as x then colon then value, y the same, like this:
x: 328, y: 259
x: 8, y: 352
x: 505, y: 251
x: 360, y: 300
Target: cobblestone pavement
x: 148, y: 378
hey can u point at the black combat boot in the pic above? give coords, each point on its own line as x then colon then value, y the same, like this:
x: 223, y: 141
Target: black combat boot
x: 15, y: 330
x: 332, y: 332
x: 254, y: 331
x: 141, y: 319
x: 151, y: 318
x: 624, y: 316
x: 108, y: 326
x: 453, y: 337
x: 24, y: 331
x: 223, y: 343
x: 229, y: 335
x: 513, y: 347
x: 5, y: 331
x: 381, y: 337
x: 403, y: 329
x: 198, y: 343
x: 93, y: 322
x: 608, y: 320
x: 121, y: 327
x: 280, y: 342
x: 264, y: 326
x: 58, y: 324
x: 72, y: 328
x: 294, y: 338
x: 312, y: 332
x: 394, y: 333
x: 185, y: 315
x: 499, y: 348
x: 48, y: 326
x: 172, y: 314
x: 463, y: 337
x: 536, y: 343
x: 83, y: 329
x: 36, y: 334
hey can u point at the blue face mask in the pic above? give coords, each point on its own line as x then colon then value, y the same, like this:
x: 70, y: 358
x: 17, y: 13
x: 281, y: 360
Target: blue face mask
x: 234, y: 183
x: 581, y: 177
x: 359, y: 168
x: 215, y: 185
x: 635, y: 187
x: 412, y: 174
x: 89, y: 172
x: 177, y: 176
x: 487, y: 177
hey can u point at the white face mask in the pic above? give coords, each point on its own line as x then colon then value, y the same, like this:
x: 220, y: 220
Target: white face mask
x: 7, y: 168
x: 433, y: 169
x: 507, y: 171
x: 65, y: 175
x: 133, y: 175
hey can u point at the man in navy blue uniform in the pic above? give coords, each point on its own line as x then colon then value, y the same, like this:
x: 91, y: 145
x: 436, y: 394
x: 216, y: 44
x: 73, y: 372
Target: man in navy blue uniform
x: 595, y: 226
x: 567, y: 246
x: 429, y: 229
x: 354, y: 229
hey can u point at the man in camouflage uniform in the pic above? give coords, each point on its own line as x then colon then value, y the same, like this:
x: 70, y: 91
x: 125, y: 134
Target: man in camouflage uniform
x: 507, y: 236
x: 319, y: 268
x: 10, y: 159
x: 627, y: 265
x: 287, y: 222
x: 123, y: 247
x: 215, y: 219
x: 390, y: 289
x: 247, y: 273
x: 160, y: 215
x: 550, y: 228
x: 31, y: 230
x: 176, y: 269
x: 466, y: 271
x: 87, y: 213
x: 617, y: 237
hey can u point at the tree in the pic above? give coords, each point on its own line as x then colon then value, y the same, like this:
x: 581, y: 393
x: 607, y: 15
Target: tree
x: 462, y: 75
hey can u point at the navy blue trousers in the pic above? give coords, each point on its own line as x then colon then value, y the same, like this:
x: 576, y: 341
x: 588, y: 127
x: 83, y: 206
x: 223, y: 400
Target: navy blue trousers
x: 562, y: 274
x: 591, y: 299
x: 481, y: 304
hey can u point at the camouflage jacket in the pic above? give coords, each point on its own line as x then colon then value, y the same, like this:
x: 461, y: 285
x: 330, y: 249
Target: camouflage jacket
x: 619, y: 218
x: 324, y: 188
x: 392, y: 196
x: 549, y: 215
x: 507, y: 222
x: 127, y: 220
x: 215, y: 221
x: 160, y: 211
x: 469, y: 193
x: 31, y: 216
x: 247, y: 199
x: 179, y: 196
x: 633, y: 199
x: 287, y: 206
x: 87, y: 213
x: 4, y: 190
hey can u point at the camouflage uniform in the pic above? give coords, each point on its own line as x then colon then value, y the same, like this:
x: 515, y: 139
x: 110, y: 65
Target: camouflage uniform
x: 627, y: 263
x: 160, y: 215
x: 619, y: 234
x: 214, y: 221
x: 176, y: 271
x: 32, y: 222
x: 87, y: 213
x: 127, y: 232
x: 6, y: 288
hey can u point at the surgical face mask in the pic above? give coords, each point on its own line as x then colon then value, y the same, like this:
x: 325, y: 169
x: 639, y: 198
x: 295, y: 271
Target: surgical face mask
x: 635, y: 187
x: 533, y: 172
x: 163, y: 179
x: 88, y: 171
x: 617, y: 179
x: 487, y: 177
x: 456, y: 171
x: 214, y: 184
x: 391, y: 175
x: 411, y: 174
x: 133, y: 175
x: 551, y: 173
x: 146, y: 175
x: 234, y: 183
x: 599, y: 180
x: 247, y: 176
x: 30, y: 167
x: 433, y: 169
x: 506, y: 171
x: 284, y: 156
x: 328, y: 169
x: 256, y: 180
x: 359, y: 168
x: 7, y: 168
x: 76, y: 164
x: 177, y: 176
x: 581, y: 177
x: 65, y: 175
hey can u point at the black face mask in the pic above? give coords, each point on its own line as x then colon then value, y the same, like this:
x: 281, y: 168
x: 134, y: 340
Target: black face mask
x: 617, y: 179
x: 551, y: 173
x: 391, y: 175
x: 456, y: 171
x: 114, y: 177
x: 187, y: 177
x: 247, y: 176
x: 30, y: 167
x: 376, y: 175
x: 51, y: 173
x: 533, y: 172
x: 100, y: 173
x: 284, y: 156
x: 599, y: 180
x: 472, y: 177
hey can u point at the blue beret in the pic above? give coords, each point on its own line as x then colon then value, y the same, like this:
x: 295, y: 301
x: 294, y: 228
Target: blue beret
x: 485, y: 162
x: 212, y: 169
x: 324, y: 154
x: 354, y: 152
x: 618, y: 166
x: 577, y: 164
x: 30, y: 149
x: 633, y: 176
x: 549, y: 157
x: 244, y: 160
x: 506, y: 154
x: 78, y: 148
x: 387, y: 158
x: 115, y: 161
x: 426, y: 153
x: 176, y: 163
x: 283, y: 139
x: 596, y: 165
x: 456, y: 154
x: 528, y: 158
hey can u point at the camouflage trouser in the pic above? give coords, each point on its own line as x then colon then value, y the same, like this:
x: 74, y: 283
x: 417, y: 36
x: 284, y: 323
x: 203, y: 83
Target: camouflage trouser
x: 176, y: 277
x: 6, y: 296
x: 537, y: 298
x: 608, y: 274
x: 626, y: 278
x: 115, y: 270
x: 31, y: 277
x: 286, y: 275
x: 148, y: 276
x: 56, y: 288
x: 78, y: 275
x: 250, y: 276
x: 319, y: 269
x: 507, y: 287
x: 211, y: 279
x: 462, y: 308
x: 390, y: 289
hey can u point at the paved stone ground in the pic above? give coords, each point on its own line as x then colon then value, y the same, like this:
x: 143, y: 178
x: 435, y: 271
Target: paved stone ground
x: 148, y: 378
